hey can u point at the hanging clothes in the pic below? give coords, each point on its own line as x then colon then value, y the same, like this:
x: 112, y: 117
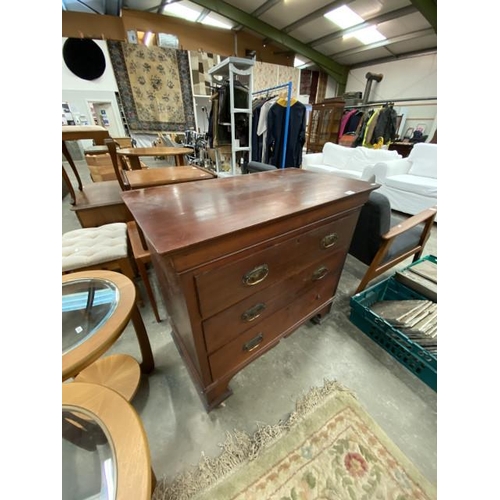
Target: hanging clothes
x: 343, y: 121
x: 354, y: 121
x: 370, y: 127
x: 220, y: 115
x: 262, y: 128
x: 260, y: 107
x: 276, y: 134
x: 386, y: 126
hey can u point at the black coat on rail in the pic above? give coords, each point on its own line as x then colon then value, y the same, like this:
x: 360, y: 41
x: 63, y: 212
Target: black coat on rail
x: 276, y: 134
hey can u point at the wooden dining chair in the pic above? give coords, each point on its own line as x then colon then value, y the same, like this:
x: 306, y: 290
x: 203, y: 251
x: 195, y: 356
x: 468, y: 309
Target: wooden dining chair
x: 142, y: 257
x: 118, y: 165
x: 381, y: 239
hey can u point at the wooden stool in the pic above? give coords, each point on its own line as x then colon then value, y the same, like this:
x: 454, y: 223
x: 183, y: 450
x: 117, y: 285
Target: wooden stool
x: 119, y: 372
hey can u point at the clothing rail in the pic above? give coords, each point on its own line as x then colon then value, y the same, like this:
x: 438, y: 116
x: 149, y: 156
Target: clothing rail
x: 287, y: 115
x: 381, y: 102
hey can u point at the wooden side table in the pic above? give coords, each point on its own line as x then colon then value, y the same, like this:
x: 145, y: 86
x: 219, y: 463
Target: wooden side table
x: 403, y: 148
x: 97, y: 306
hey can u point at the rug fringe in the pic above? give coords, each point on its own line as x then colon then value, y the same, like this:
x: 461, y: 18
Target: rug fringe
x: 239, y: 448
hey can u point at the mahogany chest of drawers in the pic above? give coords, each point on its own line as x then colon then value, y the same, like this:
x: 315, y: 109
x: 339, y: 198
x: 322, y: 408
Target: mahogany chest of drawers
x: 243, y: 261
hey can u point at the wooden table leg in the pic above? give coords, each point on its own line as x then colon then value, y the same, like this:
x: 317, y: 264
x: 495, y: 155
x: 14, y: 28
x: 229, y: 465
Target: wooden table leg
x: 65, y: 152
x: 179, y: 160
x: 69, y: 185
x: 135, y: 163
x: 148, y: 363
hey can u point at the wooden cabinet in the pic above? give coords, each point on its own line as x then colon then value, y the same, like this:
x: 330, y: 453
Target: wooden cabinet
x: 324, y: 124
x: 243, y: 261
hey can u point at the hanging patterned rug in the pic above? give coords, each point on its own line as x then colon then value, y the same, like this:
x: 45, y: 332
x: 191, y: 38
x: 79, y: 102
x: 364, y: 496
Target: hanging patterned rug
x: 329, y: 448
x: 154, y: 85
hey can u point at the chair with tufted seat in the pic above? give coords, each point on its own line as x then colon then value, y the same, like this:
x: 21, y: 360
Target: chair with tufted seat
x: 103, y: 247
x: 113, y: 247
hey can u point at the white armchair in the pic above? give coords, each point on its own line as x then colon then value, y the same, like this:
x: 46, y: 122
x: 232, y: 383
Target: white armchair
x: 410, y: 183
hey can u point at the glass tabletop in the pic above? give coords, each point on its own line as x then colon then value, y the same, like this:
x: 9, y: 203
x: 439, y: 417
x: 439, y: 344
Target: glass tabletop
x: 86, y: 305
x: 88, y: 459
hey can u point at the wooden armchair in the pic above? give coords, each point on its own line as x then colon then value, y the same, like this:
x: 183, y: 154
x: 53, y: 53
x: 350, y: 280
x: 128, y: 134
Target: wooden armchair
x: 382, y: 240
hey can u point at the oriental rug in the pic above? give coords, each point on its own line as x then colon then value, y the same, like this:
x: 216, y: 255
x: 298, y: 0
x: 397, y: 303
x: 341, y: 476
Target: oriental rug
x: 328, y: 448
x: 154, y: 86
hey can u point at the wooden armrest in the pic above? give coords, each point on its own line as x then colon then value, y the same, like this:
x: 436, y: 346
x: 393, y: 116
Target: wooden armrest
x: 415, y: 220
x: 136, y: 241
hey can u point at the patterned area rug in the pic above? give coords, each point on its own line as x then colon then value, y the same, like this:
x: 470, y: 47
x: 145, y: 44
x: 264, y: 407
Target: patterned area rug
x: 329, y: 448
x: 154, y: 85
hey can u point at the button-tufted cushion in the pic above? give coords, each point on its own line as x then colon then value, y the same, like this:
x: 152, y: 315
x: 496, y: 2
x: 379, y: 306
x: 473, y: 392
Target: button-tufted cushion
x: 94, y: 245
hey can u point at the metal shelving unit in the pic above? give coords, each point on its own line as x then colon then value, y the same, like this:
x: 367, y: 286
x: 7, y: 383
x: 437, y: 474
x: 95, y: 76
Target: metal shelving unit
x: 236, y: 68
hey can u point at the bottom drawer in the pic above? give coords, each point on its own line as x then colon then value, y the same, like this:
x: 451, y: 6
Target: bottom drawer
x: 253, y: 342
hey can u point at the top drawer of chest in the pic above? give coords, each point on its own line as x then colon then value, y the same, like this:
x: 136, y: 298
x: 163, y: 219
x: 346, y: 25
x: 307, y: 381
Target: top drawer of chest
x: 223, y: 285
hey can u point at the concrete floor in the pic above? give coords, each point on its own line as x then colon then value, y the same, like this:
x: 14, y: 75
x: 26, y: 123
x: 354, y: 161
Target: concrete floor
x: 179, y: 429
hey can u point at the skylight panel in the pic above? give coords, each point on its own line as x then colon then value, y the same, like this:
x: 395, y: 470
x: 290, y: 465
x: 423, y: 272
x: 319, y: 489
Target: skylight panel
x: 369, y: 35
x: 216, y: 23
x: 344, y: 17
x: 178, y: 10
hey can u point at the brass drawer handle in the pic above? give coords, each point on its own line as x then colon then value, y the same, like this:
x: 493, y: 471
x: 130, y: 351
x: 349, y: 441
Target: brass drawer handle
x: 254, y: 343
x: 320, y: 273
x: 253, y: 313
x: 256, y: 275
x: 329, y: 240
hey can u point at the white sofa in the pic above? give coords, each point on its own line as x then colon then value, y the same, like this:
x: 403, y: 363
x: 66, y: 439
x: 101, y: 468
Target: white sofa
x: 410, y: 183
x: 354, y: 163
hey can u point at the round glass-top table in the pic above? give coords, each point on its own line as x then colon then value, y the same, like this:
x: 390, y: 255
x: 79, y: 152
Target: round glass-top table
x: 105, y: 451
x: 96, y: 308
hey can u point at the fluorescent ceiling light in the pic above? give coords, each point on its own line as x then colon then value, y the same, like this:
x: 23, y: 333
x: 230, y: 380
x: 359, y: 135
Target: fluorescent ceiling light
x: 344, y: 17
x: 178, y: 10
x: 298, y: 62
x: 215, y: 22
x: 367, y: 35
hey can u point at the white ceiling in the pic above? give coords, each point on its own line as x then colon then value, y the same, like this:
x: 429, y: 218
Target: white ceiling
x: 408, y: 32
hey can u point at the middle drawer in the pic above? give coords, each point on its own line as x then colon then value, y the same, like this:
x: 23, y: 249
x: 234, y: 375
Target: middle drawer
x: 221, y: 287
x: 228, y: 324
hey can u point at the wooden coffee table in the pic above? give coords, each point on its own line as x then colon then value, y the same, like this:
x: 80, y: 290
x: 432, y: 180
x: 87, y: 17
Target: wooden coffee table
x: 104, y: 445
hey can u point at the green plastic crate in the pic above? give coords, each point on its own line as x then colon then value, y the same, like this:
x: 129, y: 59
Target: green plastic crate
x: 415, y: 358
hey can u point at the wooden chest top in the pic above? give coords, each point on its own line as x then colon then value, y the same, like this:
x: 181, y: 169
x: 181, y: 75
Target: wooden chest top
x: 180, y: 216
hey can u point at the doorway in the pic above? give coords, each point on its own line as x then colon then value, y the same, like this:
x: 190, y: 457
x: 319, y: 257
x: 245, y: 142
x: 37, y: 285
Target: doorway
x: 103, y: 114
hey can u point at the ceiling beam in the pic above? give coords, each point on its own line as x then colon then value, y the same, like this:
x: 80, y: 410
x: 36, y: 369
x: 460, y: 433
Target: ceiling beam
x: 383, y: 43
x: 265, y: 7
x: 428, y: 8
x: 389, y: 16
x: 160, y: 7
x: 314, y: 15
x: 269, y: 4
x: 201, y: 17
x: 337, y: 71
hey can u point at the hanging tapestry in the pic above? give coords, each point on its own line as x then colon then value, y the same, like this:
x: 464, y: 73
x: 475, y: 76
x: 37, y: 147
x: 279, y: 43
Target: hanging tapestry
x: 154, y: 85
x: 265, y: 75
x: 201, y: 62
x: 289, y: 74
